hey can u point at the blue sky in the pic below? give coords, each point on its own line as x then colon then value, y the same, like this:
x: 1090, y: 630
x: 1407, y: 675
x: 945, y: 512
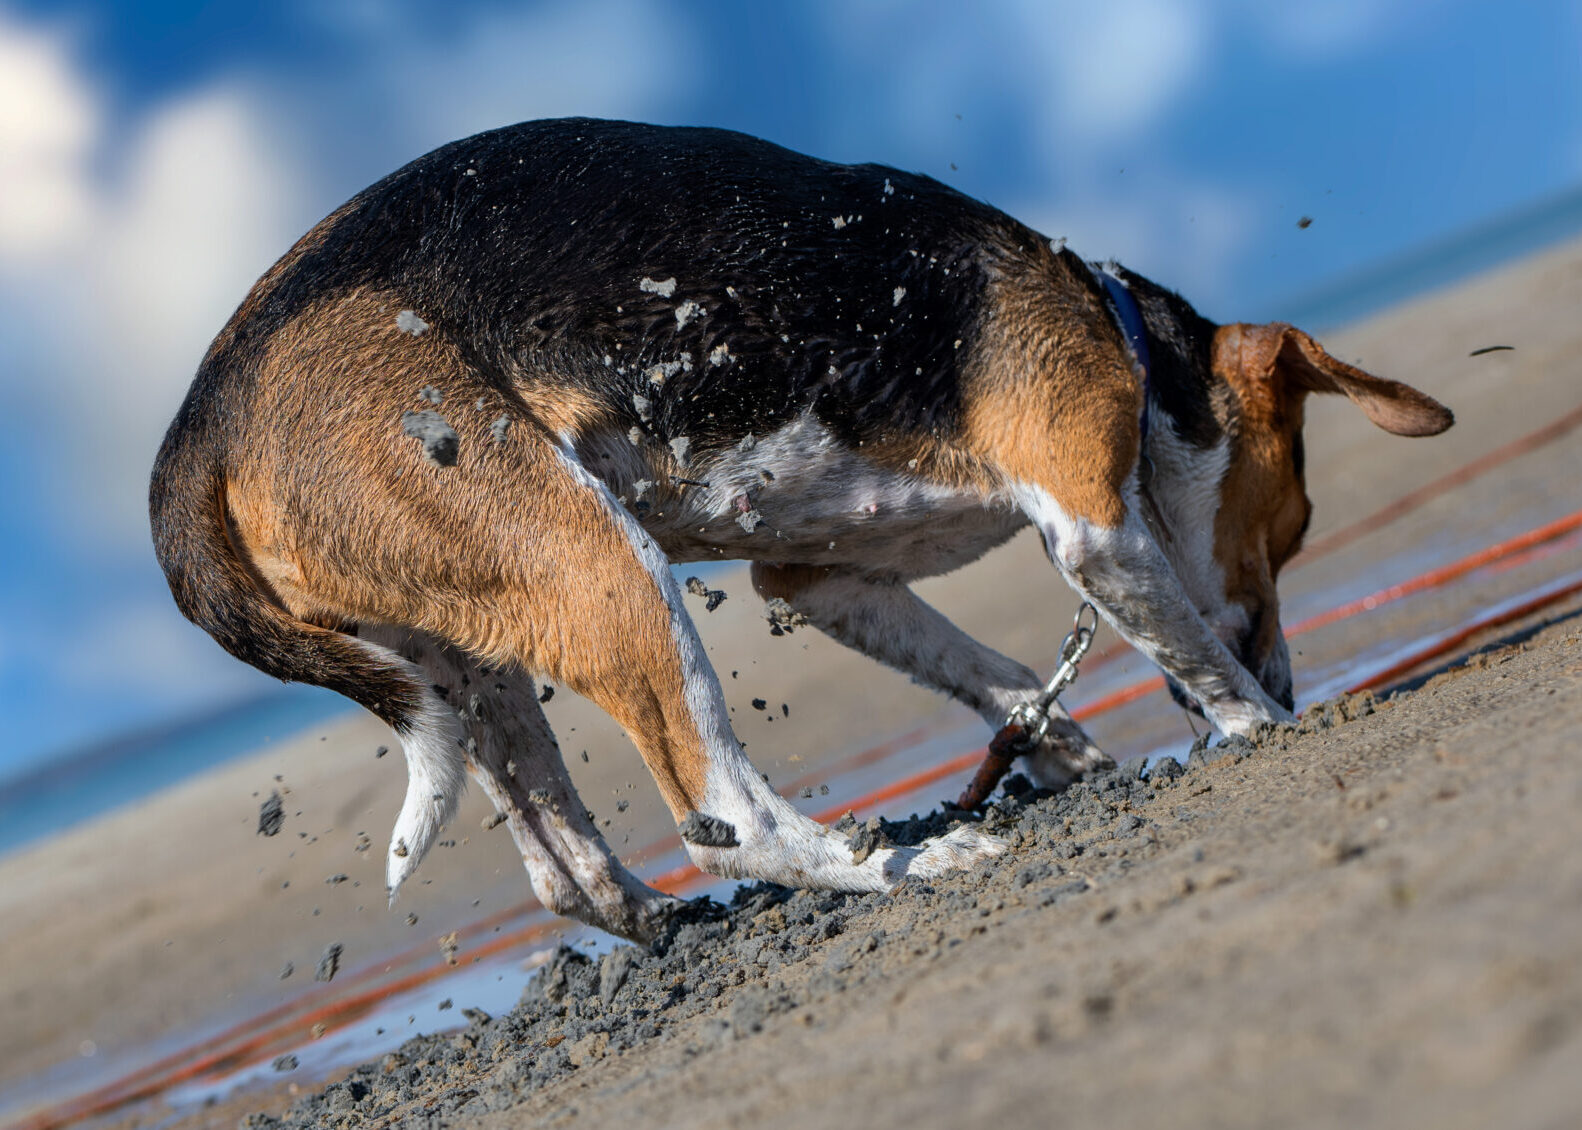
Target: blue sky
x: 156, y: 157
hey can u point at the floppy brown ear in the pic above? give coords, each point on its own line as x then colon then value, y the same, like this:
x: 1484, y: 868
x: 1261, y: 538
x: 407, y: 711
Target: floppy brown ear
x: 1284, y: 354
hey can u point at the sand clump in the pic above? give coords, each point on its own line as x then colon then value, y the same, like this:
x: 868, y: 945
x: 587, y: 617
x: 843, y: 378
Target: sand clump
x: 707, y: 831
x: 441, y: 443
x: 271, y: 815
x: 329, y: 963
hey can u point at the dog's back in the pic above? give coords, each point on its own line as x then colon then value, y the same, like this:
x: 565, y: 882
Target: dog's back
x: 577, y: 256
x: 584, y: 279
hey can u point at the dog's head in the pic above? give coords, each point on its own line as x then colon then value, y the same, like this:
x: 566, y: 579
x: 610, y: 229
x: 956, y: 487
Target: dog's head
x: 1265, y: 373
x: 1228, y: 478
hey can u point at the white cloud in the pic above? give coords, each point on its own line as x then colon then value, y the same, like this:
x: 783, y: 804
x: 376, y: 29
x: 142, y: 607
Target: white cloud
x: 1321, y: 29
x: 1083, y: 75
x: 207, y: 203
x: 1187, y: 236
x: 593, y: 58
x: 120, y: 312
x: 1107, y: 71
x: 49, y: 123
x: 118, y: 281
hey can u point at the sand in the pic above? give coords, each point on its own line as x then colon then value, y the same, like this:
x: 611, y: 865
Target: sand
x: 1375, y: 922
x: 166, y: 919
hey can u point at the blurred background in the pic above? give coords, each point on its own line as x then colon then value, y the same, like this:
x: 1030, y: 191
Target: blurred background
x: 1269, y: 160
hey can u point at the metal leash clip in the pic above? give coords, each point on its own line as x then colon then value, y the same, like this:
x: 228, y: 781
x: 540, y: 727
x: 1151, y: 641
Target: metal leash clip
x: 1028, y: 721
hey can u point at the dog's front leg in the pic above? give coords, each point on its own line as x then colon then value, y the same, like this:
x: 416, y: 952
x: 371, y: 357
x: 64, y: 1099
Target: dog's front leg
x: 1126, y: 576
x: 885, y: 620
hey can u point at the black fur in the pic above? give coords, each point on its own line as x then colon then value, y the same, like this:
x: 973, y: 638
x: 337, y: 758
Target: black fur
x: 526, y: 245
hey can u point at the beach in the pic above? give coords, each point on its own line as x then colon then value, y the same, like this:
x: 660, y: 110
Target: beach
x: 1375, y: 922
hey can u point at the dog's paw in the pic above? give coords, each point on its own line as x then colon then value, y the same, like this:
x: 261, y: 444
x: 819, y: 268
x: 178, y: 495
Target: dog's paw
x: 1243, y: 717
x: 956, y: 850
x: 640, y: 919
x: 794, y: 851
x: 1065, y: 754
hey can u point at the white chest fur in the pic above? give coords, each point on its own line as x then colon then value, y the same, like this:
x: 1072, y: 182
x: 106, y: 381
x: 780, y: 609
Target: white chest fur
x: 800, y: 495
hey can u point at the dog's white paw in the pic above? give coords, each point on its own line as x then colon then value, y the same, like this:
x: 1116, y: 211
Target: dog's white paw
x: 1242, y: 717
x: 794, y: 851
x: 960, y: 848
x: 1065, y: 754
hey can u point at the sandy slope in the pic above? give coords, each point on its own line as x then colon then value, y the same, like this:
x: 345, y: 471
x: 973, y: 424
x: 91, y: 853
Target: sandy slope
x: 1375, y: 922
x: 176, y: 914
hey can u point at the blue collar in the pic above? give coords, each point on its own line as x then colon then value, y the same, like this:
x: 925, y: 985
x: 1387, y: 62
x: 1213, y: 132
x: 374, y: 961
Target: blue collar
x: 1131, y: 323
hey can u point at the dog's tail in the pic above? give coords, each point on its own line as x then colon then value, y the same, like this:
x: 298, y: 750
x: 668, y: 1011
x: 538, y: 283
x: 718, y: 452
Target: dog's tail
x: 216, y: 587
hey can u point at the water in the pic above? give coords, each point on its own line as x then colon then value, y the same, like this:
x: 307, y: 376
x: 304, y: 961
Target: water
x: 53, y: 797
x: 1439, y: 264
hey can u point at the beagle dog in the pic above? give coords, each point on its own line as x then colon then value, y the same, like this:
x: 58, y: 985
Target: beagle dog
x: 453, y: 441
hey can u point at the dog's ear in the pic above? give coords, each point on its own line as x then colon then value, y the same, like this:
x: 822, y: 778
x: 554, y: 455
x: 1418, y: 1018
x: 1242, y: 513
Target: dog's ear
x: 1293, y: 364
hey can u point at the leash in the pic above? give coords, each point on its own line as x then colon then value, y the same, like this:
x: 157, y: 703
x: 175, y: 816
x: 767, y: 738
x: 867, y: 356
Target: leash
x: 1028, y: 722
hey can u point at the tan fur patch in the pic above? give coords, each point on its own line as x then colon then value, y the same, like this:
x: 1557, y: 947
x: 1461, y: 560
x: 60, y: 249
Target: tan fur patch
x: 1051, y: 398
x: 504, y: 554
x: 561, y: 408
x: 1263, y: 504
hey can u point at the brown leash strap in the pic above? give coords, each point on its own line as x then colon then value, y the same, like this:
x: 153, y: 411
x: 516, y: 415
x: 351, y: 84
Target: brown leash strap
x: 1005, y: 747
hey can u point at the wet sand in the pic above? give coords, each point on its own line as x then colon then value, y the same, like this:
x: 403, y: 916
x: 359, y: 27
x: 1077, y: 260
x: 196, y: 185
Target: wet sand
x: 167, y: 920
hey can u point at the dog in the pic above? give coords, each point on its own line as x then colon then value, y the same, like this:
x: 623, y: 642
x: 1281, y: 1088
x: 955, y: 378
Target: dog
x: 451, y: 443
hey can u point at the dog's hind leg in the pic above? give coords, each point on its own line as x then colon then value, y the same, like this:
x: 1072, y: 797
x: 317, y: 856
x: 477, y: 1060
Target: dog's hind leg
x: 513, y: 755
x: 618, y: 633
x: 501, y: 543
x: 885, y: 620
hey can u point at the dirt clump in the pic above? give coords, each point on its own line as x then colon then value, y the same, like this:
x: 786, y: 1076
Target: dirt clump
x: 329, y: 963
x: 707, y: 831
x: 441, y: 443
x: 782, y: 617
x: 271, y: 815
x: 712, y: 598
